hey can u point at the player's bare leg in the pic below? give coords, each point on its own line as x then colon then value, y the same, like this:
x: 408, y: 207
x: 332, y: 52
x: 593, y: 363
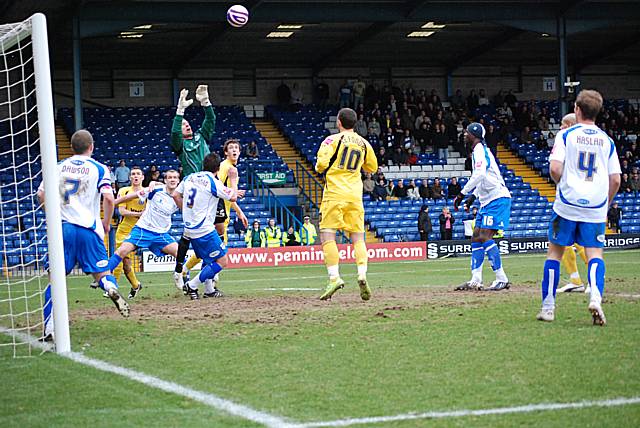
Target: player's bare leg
x: 360, y: 249
x: 332, y: 261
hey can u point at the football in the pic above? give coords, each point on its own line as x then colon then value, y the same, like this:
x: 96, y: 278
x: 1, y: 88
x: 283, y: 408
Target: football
x: 237, y: 16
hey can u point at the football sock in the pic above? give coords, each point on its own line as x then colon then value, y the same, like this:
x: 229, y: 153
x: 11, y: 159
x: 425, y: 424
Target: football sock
x: 569, y: 262
x: 108, y: 282
x: 209, y: 286
x: 331, y: 258
x: 477, y: 258
x: 581, y: 253
x: 183, y: 247
x: 575, y: 278
x: 117, y: 270
x: 550, y: 279
x: 47, y: 311
x: 493, y: 253
x: 208, y: 272
x: 133, y: 280
x: 192, y: 262
x: 114, y: 262
x: 361, y: 257
x: 596, y: 279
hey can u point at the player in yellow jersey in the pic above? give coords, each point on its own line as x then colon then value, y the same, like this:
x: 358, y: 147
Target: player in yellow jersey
x: 232, y: 152
x: 341, y: 158
x: 569, y: 256
x: 130, y: 212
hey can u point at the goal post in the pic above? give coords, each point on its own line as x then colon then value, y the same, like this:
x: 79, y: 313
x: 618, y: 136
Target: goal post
x: 25, y: 72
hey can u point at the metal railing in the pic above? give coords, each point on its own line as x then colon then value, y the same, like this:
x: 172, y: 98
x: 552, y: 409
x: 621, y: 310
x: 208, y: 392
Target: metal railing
x: 277, y: 209
x: 310, y: 187
x: 311, y: 190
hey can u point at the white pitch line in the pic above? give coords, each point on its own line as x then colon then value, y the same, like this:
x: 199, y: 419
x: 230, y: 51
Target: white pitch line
x: 206, y: 398
x: 291, y: 289
x: 481, y: 412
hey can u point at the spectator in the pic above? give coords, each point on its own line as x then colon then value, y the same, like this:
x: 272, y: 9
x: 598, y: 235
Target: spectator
x: 446, y: 224
x: 239, y: 228
x: 457, y: 100
x: 358, y: 93
x: 472, y: 100
x: 424, y: 191
x: 368, y: 184
x: 296, y: 97
x: 283, y: 94
x: 181, y: 172
x: 454, y: 188
x: 291, y: 238
x: 436, y: 190
x: 344, y: 95
x: 374, y: 127
x: 390, y: 186
x: 625, y: 187
x: 441, y: 142
x: 252, y: 151
x: 408, y: 142
x: 492, y: 139
x: 308, y: 232
x: 156, y: 176
x: 424, y: 223
x: 380, y: 191
x: 471, y: 215
x: 483, y: 100
x: 614, y: 216
x: 273, y: 234
x: 504, y: 112
x: 624, y: 167
x: 412, y: 190
x: 420, y: 120
x: 511, y: 99
x: 147, y: 175
x: 551, y: 139
x: 499, y: 98
x: 400, y: 191
x: 361, y: 126
x: 543, y: 123
x: 322, y: 93
x: 122, y: 175
x: 412, y: 158
x: 383, y: 158
x: 634, y: 182
x: 525, y: 135
x: 399, y: 157
x: 255, y: 237
x: 112, y: 174
x: 423, y: 137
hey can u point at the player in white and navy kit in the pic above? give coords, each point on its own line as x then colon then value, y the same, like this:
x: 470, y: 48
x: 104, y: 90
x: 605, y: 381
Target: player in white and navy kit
x: 152, y: 229
x: 82, y: 182
x: 487, y: 185
x: 199, y: 194
x: 585, y: 166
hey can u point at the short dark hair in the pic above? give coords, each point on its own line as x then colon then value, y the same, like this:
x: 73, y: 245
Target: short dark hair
x: 590, y: 103
x: 135, y: 167
x: 229, y: 142
x: 81, y: 140
x: 211, y: 163
x: 347, y: 118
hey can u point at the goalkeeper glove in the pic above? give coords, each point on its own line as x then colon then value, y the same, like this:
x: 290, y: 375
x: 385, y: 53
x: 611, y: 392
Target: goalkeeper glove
x: 183, y: 102
x: 457, y: 200
x: 202, y: 95
x: 470, y: 200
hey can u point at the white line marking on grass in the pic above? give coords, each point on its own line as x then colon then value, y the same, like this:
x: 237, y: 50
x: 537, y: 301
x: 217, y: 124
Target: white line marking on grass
x: 481, y: 412
x: 206, y: 398
x: 291, y: 289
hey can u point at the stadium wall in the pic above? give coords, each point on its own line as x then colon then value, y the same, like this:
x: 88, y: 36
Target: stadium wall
x: 525, y: 81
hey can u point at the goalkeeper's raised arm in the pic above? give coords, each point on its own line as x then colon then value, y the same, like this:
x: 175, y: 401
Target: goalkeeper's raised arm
x: 190, y: 147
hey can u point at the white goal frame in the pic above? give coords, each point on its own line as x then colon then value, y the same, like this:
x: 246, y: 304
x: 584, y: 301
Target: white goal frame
x: 46, y: 128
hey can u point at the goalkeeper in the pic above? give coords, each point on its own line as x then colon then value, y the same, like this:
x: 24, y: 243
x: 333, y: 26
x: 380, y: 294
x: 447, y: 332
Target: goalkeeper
x: 191, y: 149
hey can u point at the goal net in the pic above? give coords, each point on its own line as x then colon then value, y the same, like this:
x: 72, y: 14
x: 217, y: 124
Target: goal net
x: 30, y: 238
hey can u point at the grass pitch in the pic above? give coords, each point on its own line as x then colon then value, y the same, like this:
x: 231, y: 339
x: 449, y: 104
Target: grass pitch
x: 416, y: 346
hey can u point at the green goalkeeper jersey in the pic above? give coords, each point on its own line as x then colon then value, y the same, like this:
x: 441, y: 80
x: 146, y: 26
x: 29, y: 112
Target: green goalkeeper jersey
x: 191, y: 151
